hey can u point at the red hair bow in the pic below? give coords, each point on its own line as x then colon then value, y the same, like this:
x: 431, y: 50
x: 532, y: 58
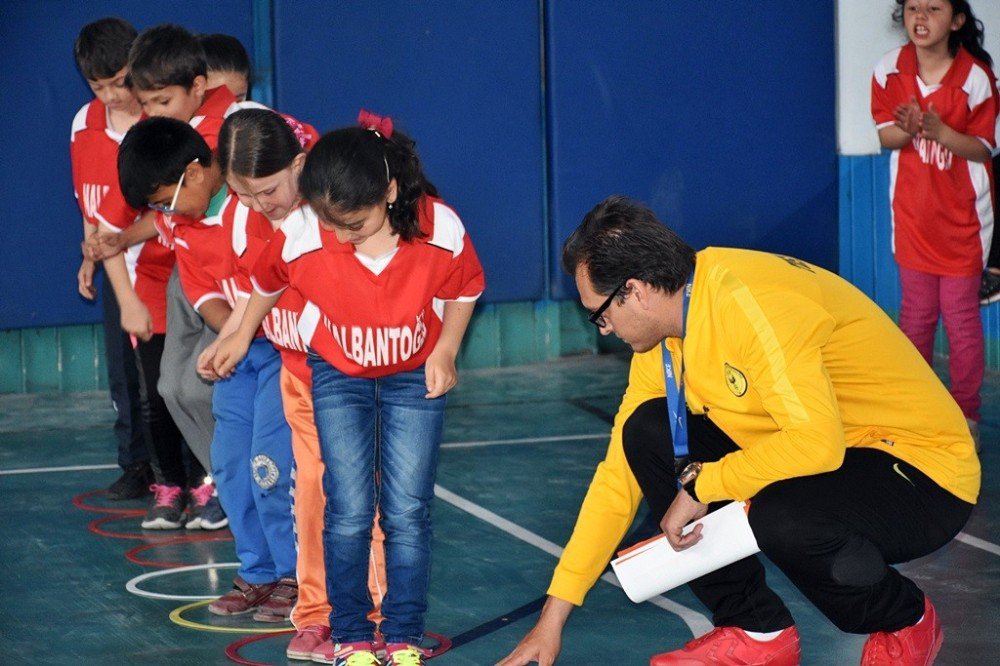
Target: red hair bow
x: 378, y: 124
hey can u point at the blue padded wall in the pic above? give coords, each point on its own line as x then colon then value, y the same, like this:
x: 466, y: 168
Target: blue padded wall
x: 40, y: 226
x: 464, y: 80
x: 719, y: 115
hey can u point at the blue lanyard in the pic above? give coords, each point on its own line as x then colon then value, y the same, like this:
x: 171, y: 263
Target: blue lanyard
x: 676, y: 405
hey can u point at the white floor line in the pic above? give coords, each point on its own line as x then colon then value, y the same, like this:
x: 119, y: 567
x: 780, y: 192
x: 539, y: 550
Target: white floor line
x: 967, y: 539
x: 696, y: 622
x: 976, y: 542
x: 45, y: 470
x: 447, y: 445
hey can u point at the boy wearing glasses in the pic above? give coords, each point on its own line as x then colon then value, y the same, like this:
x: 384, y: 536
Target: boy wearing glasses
x: 166, y: 165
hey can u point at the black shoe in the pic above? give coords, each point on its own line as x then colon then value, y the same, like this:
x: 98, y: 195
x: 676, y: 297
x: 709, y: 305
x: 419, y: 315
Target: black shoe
x: 133, y: 483
x: 989, y: 288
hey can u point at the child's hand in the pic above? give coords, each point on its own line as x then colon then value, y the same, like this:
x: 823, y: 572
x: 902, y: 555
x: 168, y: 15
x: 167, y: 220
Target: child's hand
x: 85, y: 280
x: 228, y: 353
x: 908, y: 116
x: 101, y: 246
x: 931, y: 125
x: 206, y: 359
x: 136, y: 320
x: 441, y: 373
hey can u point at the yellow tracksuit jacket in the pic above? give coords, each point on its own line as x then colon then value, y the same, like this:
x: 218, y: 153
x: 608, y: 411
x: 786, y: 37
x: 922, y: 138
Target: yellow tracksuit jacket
x: 794, y: 364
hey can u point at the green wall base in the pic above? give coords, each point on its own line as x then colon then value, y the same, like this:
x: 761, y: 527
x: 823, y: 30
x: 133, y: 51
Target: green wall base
x: 71, y: 358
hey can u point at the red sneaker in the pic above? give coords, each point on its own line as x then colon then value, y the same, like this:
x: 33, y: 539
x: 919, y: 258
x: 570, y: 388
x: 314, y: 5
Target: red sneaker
x: 729, y: 646
x: 916, y: 645
x: 306, y: 640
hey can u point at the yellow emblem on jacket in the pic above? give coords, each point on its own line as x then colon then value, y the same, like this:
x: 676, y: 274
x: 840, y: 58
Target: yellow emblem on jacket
x: 736, y: 381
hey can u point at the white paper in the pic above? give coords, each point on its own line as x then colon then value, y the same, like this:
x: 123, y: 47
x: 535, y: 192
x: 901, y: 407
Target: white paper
x: 655, y: 567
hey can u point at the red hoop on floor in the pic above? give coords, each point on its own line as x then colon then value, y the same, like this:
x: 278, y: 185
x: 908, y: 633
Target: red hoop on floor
x: 79, y: 503
x: 132, y: 554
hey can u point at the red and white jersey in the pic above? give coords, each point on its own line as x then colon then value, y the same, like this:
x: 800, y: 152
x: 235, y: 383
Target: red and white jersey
x: 372, y: 317
x: 251, y: 234
x: 94, y: 155
x: 942, y: 204
x: 205, y: 259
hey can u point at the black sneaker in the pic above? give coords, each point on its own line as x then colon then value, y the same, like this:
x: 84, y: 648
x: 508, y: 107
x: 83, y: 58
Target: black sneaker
x: 167, y: 512
x: 989, y: 288
x: 212, y: 515
x: 133, y: 483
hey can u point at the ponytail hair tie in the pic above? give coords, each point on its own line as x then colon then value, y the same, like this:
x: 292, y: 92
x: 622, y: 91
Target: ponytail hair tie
x: 381, y: 126
x: 297, y: 129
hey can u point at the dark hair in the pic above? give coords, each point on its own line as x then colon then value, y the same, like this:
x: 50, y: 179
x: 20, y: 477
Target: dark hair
x: 225, y: 53
x: 621, y: 239
x: 347, y: 169
x: 165, y: 55
x: 970, y: 35
x: 101, y: 48
x: 254, y: 143
x: 155, y: 153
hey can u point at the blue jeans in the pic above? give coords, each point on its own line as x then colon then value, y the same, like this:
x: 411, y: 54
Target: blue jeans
x: 379, y: 439
x: 252, y: 465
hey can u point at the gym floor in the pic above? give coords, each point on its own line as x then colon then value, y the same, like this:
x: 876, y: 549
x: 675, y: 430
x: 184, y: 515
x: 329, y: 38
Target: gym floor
x: 84, y: 584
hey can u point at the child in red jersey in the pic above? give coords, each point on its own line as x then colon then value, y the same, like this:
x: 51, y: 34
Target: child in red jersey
x: 934, y: 101
x: 101, y: 52
x: 389, y: 277
x: 262, y: 154
x: 165, y: 160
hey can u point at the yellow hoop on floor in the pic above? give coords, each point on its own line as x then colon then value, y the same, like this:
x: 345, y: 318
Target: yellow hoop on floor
x: 176, y: 618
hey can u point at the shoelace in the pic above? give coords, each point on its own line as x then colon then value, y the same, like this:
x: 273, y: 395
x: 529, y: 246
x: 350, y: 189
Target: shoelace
x: 362, y: 658
x: 202, y: 493
x: 718, y: 632
x: 882, y: 648
x: 405, y: 657
x: 315, y: 629
x: 165, y: 495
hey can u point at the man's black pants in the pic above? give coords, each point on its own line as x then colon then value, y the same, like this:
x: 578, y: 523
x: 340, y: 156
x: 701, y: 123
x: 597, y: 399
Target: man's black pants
x: 834, y: 534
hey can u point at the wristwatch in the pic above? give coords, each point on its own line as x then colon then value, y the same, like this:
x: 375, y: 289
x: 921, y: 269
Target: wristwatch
x: 687, y: 478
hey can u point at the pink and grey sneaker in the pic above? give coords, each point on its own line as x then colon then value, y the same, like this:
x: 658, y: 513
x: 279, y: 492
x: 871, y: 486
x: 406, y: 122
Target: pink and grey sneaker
x: 402, y: 654
x: 197, y: 499
x: 306, y: 641
x: 167, y: 512
x: 346, y: 654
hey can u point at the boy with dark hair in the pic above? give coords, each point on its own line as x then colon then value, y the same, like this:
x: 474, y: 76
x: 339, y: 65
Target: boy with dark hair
x: 101, y: 53
x: 166, y: 165
x: 169, y: 73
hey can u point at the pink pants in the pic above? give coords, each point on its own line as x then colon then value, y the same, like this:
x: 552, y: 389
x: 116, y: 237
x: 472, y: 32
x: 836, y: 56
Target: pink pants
x: 956, y: 299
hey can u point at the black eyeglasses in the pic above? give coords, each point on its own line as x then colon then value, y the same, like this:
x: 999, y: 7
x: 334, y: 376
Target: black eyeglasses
x: 597, y: 316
